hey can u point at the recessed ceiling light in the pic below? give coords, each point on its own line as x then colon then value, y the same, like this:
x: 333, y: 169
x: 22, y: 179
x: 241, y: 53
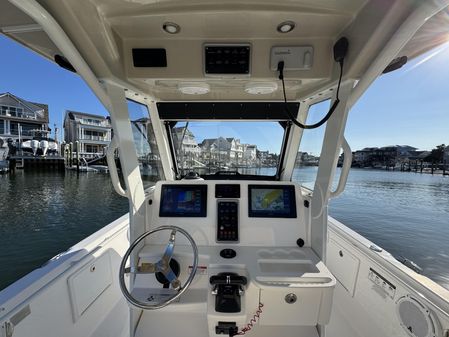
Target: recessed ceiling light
x: 286, y: 26
x: 261, y: 88
x: 194, y: 88
x: 171, y: 28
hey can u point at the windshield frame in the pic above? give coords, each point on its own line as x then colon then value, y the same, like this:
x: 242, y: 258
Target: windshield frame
x: 172, y: 112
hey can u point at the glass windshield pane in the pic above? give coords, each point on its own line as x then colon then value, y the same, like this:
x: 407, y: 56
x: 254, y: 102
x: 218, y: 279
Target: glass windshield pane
x: 147, y: 151
x: 243, y: 147
x: 308, y: 156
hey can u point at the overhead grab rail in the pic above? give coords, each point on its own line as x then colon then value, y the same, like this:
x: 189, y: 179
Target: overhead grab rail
x: 347, y: 161
x: 110, y: 158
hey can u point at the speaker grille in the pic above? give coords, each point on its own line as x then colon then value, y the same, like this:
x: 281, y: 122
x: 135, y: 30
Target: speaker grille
x: 415, y: 318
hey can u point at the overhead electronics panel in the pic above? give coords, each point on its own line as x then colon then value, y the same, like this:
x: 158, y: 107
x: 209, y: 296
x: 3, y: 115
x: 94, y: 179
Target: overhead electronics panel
x: 227, y: 59
x: 271, y: 201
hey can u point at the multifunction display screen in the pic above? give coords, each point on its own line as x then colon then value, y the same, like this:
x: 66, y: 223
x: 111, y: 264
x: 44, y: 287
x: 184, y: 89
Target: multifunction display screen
x: 272, y: 201
x: 183, y: 201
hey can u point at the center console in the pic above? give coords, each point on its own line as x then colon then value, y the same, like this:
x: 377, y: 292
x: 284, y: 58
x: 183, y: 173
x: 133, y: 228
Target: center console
x: 247, y: 234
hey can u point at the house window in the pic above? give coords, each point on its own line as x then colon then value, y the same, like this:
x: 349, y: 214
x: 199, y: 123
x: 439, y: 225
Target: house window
x: 91, y: 121
x: 11, y: 110
x: 2, y: 127
x: 27, y: 129
x: 91, y: 148
x: 14, y: 128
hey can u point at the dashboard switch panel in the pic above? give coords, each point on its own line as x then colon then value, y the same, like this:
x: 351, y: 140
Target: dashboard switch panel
x: 227, y: 221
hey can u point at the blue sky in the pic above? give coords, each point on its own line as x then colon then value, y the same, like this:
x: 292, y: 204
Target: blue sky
x: 409, y: 106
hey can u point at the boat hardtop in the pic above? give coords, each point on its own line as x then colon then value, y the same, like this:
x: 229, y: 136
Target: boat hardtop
x: 222, y: 238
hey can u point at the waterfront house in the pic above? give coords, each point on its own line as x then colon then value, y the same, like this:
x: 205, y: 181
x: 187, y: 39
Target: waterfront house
x: 384, y: 156
x: 19, y: 117
x: 92, y: 131
x: 363, y: 155
x: 185, y: 141
x: 306, y: 159
x: 235, y: 151
x: 215, y: 151
x: 262, y: 156
x: 188, y: 150
x: 250, y: 154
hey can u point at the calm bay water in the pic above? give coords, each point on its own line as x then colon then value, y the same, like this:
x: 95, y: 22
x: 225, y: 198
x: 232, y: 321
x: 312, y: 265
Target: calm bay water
x: 42, y: 214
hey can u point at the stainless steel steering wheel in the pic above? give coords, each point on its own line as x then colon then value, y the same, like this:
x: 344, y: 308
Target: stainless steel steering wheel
x: 163, y: 266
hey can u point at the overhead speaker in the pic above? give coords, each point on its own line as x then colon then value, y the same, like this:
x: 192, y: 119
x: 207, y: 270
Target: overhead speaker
x: 416, y: 319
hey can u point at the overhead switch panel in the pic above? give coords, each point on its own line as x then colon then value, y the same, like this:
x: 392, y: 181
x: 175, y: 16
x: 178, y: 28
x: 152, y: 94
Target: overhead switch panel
x: 227, y: 59
x: 295, y: 58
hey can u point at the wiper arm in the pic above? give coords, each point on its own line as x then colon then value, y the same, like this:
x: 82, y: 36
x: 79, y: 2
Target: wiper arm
x: 226, y: 173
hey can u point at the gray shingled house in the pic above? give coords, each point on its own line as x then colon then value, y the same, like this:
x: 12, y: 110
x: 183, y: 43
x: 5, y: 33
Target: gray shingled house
x: 18, y: 117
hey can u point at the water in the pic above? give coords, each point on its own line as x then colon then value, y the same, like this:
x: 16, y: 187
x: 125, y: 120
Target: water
x: 42, y: 214
x: 405, y: 213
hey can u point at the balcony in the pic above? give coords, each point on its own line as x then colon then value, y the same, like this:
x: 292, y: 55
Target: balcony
x: 14, y: 114
x: 95, y: 138
x: 97, y: 123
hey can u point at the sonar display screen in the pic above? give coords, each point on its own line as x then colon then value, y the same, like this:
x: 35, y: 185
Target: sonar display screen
x: 268, y: 201
x: 183, y: 201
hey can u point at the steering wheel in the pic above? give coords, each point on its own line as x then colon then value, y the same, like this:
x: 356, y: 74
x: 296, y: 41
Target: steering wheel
x: 162, y: 266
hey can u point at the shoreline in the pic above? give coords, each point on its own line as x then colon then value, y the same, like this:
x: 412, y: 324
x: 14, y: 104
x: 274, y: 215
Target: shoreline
x: 425, y: 171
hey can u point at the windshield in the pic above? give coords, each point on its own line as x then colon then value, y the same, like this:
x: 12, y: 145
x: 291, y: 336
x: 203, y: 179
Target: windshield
x: 249, y: 148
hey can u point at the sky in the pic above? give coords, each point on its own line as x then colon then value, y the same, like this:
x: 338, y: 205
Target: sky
x: 407, y: 107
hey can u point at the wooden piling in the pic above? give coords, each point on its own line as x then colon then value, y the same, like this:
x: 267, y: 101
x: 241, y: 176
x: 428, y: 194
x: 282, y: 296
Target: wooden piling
x: 77, y: 156
x: 70, y: 154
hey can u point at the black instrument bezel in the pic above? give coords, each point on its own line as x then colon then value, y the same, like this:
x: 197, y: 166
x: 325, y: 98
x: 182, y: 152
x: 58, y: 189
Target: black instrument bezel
x: 268, y: 213
x: 176, y: 214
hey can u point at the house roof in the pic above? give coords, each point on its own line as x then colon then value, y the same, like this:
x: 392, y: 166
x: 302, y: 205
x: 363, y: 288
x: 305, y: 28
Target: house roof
x: 83, y: 114
x: 40, y: 109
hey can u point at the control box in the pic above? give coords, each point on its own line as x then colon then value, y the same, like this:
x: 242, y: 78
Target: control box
x: 227, y: 221
x: 294, y: 57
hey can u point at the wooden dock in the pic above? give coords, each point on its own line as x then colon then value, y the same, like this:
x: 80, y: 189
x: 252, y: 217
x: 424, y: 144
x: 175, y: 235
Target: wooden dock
x: 53, y: 163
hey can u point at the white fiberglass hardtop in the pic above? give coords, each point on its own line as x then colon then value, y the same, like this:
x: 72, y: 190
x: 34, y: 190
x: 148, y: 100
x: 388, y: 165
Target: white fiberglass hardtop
x: 209, y: 102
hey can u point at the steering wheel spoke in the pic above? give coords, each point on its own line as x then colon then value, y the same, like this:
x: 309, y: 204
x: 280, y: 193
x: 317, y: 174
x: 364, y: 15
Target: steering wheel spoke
x: 162, y: 266
x: 169, y: 249
x: 144, y: 268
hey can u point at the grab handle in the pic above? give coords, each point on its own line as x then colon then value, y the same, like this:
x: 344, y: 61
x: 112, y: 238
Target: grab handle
x: 113, y: 168
x: 347, y: 161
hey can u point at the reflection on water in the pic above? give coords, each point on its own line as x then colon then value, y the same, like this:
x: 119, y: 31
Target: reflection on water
x: 42, y: 214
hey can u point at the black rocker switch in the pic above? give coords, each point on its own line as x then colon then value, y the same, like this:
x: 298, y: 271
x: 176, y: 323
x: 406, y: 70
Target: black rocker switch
x: 228, y: 288
x: 228, y: 221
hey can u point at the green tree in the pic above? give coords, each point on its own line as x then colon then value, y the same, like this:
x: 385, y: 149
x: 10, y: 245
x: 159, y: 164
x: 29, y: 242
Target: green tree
x: 436, y: 155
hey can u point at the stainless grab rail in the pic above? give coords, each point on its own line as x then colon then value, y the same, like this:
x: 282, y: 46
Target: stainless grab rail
x: 113, y: 168
x: 344, y: 170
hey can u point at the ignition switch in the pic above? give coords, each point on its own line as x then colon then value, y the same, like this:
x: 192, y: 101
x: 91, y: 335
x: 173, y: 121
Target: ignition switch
x: 290, y: 298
